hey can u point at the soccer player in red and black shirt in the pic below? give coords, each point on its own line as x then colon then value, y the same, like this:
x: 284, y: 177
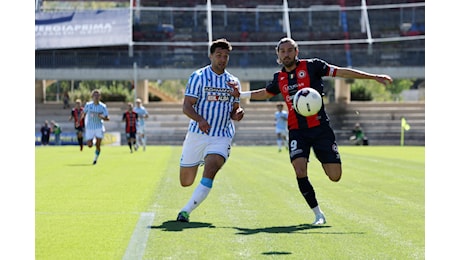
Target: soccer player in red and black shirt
x: 313, y: 131
x: 79, y: 122
x: 130, y: 118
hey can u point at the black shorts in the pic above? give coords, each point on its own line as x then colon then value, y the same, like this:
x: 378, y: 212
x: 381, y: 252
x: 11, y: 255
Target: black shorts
x: 131, y: 135
x: 80, y: 129
x: 320, y: 138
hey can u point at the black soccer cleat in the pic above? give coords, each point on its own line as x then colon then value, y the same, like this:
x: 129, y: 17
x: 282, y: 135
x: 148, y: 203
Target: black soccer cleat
x: 183, y: 217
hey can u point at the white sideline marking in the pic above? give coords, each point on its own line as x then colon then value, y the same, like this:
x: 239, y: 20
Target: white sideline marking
x: 139, y: 238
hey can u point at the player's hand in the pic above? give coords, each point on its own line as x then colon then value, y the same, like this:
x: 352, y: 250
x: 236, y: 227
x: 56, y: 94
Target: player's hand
x: 384, y: 79
x: 234, y: 85
x: 204, y: 126
x: 238, y: 114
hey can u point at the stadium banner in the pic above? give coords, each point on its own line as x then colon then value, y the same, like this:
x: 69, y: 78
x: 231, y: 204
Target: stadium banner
x: 70, y: 138
x: 54, y: 30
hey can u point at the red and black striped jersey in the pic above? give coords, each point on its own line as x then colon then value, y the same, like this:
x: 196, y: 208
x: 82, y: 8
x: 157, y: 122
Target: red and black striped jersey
x: 308, y: 74
x: 76, y: 114
x: 130, y: 118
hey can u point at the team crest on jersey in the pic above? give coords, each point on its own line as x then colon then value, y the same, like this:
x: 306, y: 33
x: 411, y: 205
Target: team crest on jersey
x: 301, y: 74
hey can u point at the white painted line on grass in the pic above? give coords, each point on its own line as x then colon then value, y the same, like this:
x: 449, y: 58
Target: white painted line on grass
x: 140, y: 237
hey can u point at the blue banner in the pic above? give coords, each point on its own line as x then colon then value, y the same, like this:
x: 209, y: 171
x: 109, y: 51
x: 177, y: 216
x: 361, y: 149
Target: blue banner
x: 54, y: 30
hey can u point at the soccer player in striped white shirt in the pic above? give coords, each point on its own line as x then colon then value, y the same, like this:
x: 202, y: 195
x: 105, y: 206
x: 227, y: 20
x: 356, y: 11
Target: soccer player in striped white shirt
x: 211, y: 108
x: 95, y: 113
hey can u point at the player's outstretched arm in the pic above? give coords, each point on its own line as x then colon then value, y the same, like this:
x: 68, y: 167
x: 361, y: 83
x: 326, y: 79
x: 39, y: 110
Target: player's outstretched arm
x: 358, y: 74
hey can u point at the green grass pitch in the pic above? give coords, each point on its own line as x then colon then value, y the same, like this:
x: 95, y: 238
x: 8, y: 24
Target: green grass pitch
x: 125, y: 206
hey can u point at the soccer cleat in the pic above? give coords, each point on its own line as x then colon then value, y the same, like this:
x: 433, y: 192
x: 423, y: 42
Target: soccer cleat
x: 94, y: 162
x: 183, y: 216
x: 320, y: 220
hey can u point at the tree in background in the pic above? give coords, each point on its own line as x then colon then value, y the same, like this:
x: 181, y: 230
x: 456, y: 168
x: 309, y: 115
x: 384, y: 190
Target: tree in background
x: 368, y: 90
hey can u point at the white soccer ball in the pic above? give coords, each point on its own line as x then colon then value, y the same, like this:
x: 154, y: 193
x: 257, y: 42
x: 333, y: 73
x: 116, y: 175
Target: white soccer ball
x: 307, y: 101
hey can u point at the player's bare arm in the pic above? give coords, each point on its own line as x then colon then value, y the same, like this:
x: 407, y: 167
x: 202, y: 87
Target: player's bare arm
x: 259, y: 94
x: 357, y: 74
x: 187, y: 108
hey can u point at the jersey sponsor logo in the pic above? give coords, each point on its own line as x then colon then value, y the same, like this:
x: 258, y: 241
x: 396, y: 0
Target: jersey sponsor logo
x: 218, y: 98
x: 219, y: 90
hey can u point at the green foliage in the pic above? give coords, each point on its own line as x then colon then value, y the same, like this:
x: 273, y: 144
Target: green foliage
x: 174, y: 88
x: 254, y: 211
x: 371, y: 90
x: 360, y: 93
x: 111, y: 90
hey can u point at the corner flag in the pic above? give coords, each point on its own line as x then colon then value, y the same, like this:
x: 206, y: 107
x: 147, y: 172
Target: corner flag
x: 404, y: 126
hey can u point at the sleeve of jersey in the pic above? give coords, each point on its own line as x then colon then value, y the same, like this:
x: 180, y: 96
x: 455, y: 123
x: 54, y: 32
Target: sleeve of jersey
x: 332, y: 71
x: 192, y: 88
x: 324, y: 68
x: 272, y: 87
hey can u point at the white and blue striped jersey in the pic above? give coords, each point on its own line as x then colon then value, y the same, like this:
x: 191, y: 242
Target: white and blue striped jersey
x: 141, y: 111
x: 214, y: 102
x: 91, y: 110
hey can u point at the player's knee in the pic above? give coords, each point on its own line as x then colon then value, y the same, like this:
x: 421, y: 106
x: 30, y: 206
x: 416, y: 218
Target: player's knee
x: 335, y: 177
x: 186, y: 183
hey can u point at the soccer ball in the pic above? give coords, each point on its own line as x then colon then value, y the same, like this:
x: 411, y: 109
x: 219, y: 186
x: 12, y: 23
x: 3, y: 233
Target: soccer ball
x: 307, y: 102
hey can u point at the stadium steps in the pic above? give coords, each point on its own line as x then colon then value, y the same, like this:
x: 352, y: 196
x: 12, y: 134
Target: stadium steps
x: 167, y: 124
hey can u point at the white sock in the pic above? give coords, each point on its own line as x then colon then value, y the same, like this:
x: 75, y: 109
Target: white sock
x: 279, y: 142
x: 198, y: 196
x: 317, y: 210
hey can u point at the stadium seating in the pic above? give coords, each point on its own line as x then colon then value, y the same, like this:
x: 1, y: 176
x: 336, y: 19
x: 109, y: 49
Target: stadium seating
x: 167, y: 124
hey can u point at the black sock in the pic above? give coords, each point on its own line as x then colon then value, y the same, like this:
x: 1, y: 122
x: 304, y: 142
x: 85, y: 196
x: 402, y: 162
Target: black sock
x: 130, y: 147
x: 307, y: 191
x: 80, y: 141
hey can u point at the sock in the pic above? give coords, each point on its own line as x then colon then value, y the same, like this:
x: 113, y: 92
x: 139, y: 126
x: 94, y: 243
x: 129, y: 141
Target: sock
x: 80, y: 141
x: 144, y: 141
x: 130, y: 146
x: 199, y: 195
x: 317, y: 210
x: 96, y: 154
x: 307, y: 191
x: 279, y: 142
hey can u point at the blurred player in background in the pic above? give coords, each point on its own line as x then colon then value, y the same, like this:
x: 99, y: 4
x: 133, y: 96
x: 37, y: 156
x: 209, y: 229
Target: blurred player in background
x: 79, y: 122
x: 57, y: 130
x: 95, y: 113
x: 281, y: 130
x: 45, y: 130
x: 141, y: 138
x: 313, y: 131
x: 130, y: 119
x: 211, y: 109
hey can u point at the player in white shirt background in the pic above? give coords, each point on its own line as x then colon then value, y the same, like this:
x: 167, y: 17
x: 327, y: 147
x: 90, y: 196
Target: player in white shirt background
x: 143, y: 114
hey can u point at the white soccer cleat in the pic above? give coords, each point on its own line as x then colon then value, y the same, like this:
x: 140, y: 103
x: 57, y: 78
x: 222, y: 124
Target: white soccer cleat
x: 320, y: 220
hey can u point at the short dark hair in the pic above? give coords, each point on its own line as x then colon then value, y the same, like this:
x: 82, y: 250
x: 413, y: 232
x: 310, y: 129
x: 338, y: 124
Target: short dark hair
x: 220, y: 43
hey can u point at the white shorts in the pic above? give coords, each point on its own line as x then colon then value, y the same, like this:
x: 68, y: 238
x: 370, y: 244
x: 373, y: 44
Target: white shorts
x: 91, y: 133
x: 281, y: 131
x: 140, y: 129
x: 197, y: 146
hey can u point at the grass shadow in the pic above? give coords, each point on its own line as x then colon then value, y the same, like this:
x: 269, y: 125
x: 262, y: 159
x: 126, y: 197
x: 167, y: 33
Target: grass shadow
x: 176, y: 226
x: 277, y: 230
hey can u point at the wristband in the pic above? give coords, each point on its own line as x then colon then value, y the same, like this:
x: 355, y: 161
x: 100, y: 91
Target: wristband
x: 245, y: 94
